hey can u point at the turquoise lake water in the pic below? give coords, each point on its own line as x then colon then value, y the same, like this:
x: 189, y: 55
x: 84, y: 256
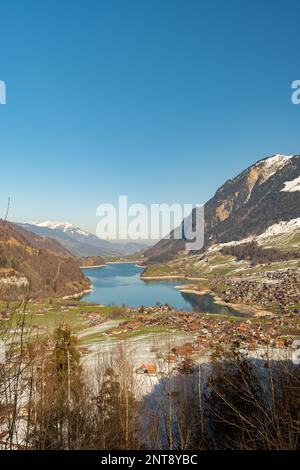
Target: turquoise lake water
x: 121, y: 284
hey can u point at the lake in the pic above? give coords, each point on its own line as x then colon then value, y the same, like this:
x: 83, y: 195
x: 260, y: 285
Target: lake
x: 120, y: 283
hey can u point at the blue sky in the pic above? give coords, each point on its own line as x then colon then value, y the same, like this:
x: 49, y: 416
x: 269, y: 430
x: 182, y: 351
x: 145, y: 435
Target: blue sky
x: 161, y: 100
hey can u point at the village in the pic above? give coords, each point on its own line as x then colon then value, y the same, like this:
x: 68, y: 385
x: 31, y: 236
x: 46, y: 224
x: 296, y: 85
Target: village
x: 211, y: 331
x: 274, y: 289
x: 211, y: 334
x: 275, y: 293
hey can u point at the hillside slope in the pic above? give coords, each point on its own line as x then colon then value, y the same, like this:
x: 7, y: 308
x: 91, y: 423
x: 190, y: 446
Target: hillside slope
x: 36, y: 267
x: 264, y: 194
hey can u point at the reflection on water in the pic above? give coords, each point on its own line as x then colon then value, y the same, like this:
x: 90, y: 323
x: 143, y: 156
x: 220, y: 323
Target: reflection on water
x: 206, y: 303
x: 120, y: 284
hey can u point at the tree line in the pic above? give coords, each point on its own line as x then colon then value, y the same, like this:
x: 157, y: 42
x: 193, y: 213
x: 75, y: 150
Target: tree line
x: 257, y: 254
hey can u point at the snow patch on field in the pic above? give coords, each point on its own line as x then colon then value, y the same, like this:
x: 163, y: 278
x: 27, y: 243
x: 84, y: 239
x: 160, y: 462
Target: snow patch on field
x: 292, y: 186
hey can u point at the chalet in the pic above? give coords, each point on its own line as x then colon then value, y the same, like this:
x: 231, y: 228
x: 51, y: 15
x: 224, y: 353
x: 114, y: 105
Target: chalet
x: 149, y: 369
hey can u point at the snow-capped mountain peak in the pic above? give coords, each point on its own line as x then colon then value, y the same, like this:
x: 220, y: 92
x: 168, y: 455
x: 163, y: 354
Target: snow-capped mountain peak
x: 271, y: 165
x: 278, y: 160
x: 63, y: 226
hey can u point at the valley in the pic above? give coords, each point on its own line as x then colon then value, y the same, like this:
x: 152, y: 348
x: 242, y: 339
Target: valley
x: 156, y: 316
x: 146, y: 331
x: 163, y: 291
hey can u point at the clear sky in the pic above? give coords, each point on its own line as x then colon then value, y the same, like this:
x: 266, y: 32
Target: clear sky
x: 160, y: 100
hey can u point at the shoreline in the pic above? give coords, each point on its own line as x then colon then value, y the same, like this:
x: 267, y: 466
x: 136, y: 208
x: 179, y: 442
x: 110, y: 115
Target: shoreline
x: 111, y: 262
x: 96, y: 266
x: 78, y: 295
x: 243, y: 308
x: 157, y: 278
x: 122, y: 262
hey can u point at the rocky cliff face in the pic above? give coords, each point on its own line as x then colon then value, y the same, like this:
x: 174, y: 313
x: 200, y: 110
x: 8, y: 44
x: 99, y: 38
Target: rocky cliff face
x: 264, y: 194
x: 36, y: 267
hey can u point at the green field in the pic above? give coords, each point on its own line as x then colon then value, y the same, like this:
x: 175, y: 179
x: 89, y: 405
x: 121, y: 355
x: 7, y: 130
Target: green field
x: 48, y: 316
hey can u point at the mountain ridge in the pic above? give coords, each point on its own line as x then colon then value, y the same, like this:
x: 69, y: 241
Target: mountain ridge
x: 245, y: 205
x: 80, y: 242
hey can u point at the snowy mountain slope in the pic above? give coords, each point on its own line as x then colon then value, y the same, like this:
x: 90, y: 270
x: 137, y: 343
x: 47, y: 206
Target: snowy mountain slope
x: 245, y: 205
x: 292, y: 186
x: 63, y: 226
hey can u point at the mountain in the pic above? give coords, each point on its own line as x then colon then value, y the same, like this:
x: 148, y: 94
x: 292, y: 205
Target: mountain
x: 263, y: 195
x: 79, y: 242
x: 36, y: 267
x: 127, y: 248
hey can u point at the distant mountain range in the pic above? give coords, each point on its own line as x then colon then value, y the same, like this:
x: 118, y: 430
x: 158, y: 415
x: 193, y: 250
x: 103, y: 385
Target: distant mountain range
x: 79, y: 242
x: 265, y: 194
